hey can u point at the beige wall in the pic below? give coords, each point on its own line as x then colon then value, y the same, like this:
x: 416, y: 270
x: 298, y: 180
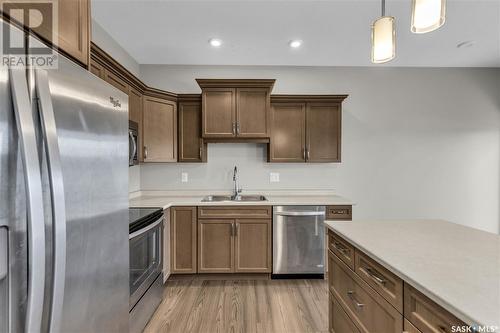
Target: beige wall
x: 417, y: 143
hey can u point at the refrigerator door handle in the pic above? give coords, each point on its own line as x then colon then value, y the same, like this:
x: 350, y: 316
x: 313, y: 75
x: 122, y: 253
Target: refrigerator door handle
x: 34, y: 200
x: 4, y: 253
x: 49, y: 131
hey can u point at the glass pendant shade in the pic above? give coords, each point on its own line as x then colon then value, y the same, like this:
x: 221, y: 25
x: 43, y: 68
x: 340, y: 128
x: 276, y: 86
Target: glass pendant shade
x: 383, y: 40
x: 427, y: 15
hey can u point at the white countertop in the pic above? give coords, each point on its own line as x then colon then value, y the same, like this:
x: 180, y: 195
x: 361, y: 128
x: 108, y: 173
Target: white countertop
x: 166, y: 199
x: 457, y: 267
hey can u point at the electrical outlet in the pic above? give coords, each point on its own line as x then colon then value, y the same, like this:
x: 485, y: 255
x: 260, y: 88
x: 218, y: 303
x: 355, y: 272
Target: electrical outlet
x: 184, y: 177
x: 274, y: 177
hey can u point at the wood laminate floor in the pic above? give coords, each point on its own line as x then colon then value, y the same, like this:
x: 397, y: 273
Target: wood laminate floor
x: 206, y: 306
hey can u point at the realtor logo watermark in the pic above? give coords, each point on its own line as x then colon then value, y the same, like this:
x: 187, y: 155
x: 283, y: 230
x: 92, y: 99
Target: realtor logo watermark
x: 40, y: 18
x: 474, y: 329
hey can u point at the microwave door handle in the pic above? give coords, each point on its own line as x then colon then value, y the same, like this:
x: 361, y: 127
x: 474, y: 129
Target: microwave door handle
x: 134, y: 145
x: 34, y: 200
x: 49, y: 131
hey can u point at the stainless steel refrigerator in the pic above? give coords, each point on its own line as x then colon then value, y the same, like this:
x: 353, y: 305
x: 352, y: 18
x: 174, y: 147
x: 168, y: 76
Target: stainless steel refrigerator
x: 63, y: 200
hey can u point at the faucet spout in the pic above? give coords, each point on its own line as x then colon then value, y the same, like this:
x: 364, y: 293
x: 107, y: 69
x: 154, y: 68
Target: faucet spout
x: 236, y: 187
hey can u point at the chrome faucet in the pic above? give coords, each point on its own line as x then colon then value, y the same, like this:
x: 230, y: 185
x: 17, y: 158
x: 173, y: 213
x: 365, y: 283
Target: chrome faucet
x: 236, y: 188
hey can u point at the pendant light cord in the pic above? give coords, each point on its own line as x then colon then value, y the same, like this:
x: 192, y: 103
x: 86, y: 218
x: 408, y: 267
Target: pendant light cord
x: 383, y: 8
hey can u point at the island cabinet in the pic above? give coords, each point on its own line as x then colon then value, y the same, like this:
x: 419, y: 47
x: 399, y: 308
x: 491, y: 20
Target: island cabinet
x: 367, y: 297
x: 192, y: 148
x: 305, y: 128
x: 235, y: 109
x: 183, y: 234
x: 234, y: 239
x: 160, y: 129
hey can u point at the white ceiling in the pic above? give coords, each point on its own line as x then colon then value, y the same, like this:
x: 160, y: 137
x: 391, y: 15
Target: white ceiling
x: 335, y: 33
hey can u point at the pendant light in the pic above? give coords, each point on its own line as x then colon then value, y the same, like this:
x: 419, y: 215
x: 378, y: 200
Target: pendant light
x: 427, y: 15
x: 383, y: 38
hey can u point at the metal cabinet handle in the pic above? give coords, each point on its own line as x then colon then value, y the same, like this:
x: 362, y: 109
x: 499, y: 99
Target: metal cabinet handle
x: 237, y: 229
x: 341, y: 247
x: 57, y: 194
x: 34, y: 200
x: 308, y: 150
x: 238, y: 128
x: 232, y: 229
x: 234, y: 128
x: 304, y: 153
x: 374, y: 275
x: 350, y: 293
x: 145, y: 152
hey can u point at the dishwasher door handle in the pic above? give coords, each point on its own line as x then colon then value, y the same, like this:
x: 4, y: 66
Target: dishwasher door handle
x: 300, y: 213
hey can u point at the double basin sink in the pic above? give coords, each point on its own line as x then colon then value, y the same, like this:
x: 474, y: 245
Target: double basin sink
x: 222, y: 198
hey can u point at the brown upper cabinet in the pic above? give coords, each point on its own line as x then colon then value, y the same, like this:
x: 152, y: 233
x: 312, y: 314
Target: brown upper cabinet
x: 235, y: 109
x: 192, y: 148
x: 306, y: 128
x: 72, y: 36
x: 160, y: 130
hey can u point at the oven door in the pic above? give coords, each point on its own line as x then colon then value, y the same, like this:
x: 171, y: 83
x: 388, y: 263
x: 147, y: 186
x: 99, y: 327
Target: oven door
x: 146, y: 248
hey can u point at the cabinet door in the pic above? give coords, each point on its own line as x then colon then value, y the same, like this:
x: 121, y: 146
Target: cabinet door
x: 215, y: 246
x: 116, y: 81
x: 74, y: 28
x: 191, y: 145
x: 96, y: 68
x: 160, y: 130
x: 253, y: 246
x: 323, y: 132
x: 338, y: 320
x: 135, y: 114
x: 166, y: 245
x: 183, y: 239
x: 219, y: 112
x: 288, y: 132
x: 252, y: 112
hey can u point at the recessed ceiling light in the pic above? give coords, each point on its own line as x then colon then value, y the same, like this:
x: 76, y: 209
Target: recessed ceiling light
x: 466, y: 44
x: 295, y: 43
x: 215, y: 42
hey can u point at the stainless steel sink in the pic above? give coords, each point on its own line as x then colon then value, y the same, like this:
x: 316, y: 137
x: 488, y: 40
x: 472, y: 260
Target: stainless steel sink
x: 221, y: 198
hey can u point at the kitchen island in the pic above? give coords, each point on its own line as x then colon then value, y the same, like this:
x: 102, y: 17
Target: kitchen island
x: 426, y: 275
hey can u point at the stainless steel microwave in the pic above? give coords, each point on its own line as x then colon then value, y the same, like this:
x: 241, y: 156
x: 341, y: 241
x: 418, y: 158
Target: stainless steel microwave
x: 133, y: 151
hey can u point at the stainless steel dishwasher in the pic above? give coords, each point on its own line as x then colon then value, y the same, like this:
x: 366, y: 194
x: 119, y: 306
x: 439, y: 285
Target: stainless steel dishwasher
x: 298, y: 240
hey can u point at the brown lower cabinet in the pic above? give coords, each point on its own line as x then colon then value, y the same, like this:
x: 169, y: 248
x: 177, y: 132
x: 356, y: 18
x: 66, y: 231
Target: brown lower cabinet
x: 368, y: 298
x: 234, y: 239
x: 338, y: 320
x: 183, y: 232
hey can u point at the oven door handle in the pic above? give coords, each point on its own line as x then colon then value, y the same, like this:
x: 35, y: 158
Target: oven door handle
x: 146, y: 229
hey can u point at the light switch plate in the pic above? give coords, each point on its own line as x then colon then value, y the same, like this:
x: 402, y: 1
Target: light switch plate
x: 274, y: 177
x: 184, y: 177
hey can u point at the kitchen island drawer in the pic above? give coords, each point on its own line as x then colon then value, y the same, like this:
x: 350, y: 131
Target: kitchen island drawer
x: 338, y: 320
x: 339, y: 213
x: 369, y: 311
x: 426, y: 315
x: 379, y: 278
x: 231, y: 212
x: 341, y: 248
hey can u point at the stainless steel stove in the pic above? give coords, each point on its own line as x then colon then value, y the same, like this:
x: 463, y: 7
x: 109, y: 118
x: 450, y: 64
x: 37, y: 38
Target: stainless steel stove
x: 146, y: 277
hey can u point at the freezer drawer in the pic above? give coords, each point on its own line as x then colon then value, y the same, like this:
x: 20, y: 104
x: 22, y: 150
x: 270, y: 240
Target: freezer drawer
x: 298, y: 239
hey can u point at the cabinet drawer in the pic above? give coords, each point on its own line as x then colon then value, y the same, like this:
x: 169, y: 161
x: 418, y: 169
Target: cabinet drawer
x: 369, y: 311
x: 409, y: 328
x: 426, y: 315
x: 338, y: 321
x: 341, y: 248
x: 231, y: 212
x: 379, y: 278
x: 339, y: 212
